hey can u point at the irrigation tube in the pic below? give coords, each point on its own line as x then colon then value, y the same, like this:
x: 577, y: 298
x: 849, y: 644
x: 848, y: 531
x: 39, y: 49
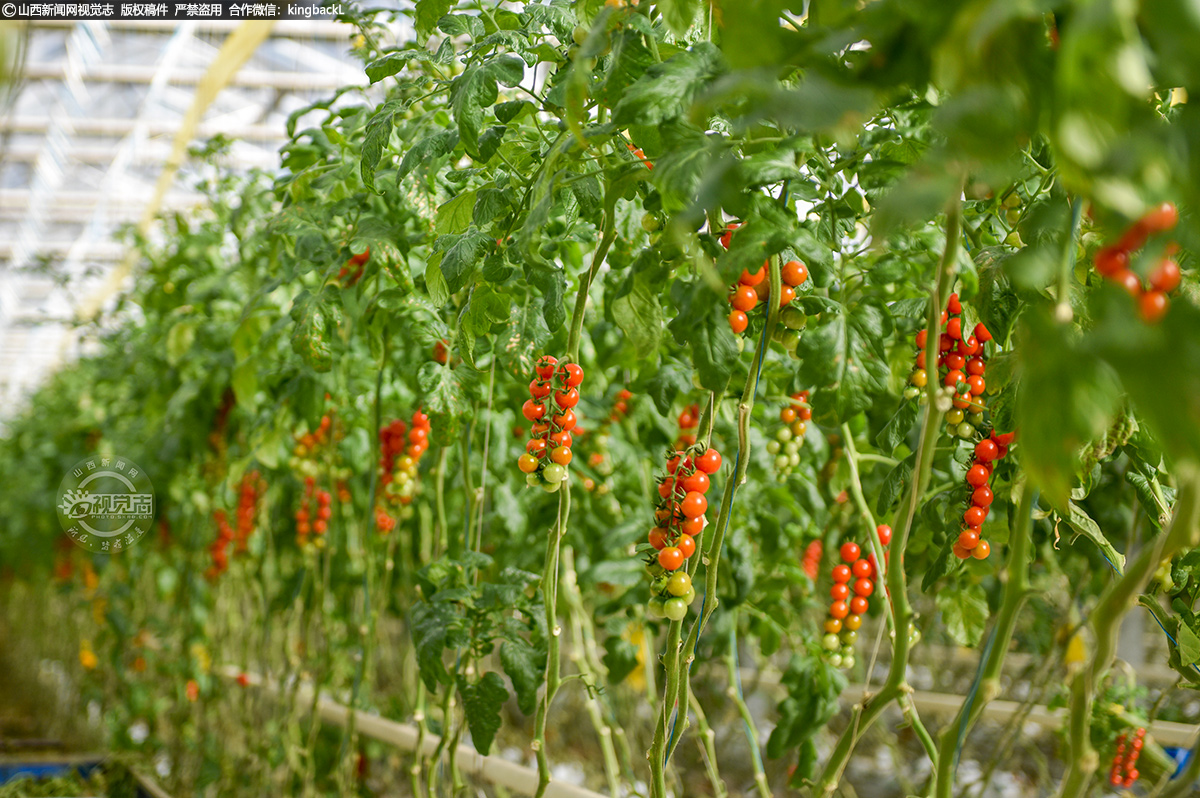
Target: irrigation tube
x: 404, y: 736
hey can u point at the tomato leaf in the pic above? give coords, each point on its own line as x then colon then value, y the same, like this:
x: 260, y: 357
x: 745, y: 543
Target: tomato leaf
x: 639, y: 315
x: 427, y: 13
x: 964, y: 612
x: 426, y: 150
x: 526, y: 667
x: 476, y: 89
x: 669, y: 380
x: 668, y: 89
x: 896, y: 430
x: 845, y: 359
x: 376, y: 138
x: 482, y: 702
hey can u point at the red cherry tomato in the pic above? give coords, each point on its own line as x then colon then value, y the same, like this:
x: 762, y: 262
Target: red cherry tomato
x: 686, y: 545
x: 982, y: 496
x: 986, y: 450
x: 858, y: 605
x: 884, y: 532
x: 840, y: 591
x: 658, y: 538
x: 710, y: 461
x: 738, y: 321
x: 545, y: 366
x: 841, y: 573
x: 864, y: 587
x: 976, y: 365
x: 694, y: 505
x: 786, y: 295
x: 573, y: 376
x: 977, y: 475
x: 566, y: 420
x: 969, y: 346
x: 961, y: 553
x: 567, y: 398
x: 955, y: 361
x: 954, y: 328
x: 744, y: 298
x: 862, y: 569
x: 839, y: 610
x: 794, y: 273
x: 922, y: 337
x: 536, y: 447
x: 976, y: 384
x: 1111, y: 260
x: 753, y: 279
x: 561, y: 455
x: 670, y: 558
x: 532, y: 410
x: 982, y: 334
x: 974, y: 516
x: 539, y: 389
x: 953, y: 378
x: 1152, y: 306
x: 1129, y: 281
x: 692, y: 526
x: 696, y: 481
x: 953, y: 305
x: 850, y: 551
x: 1165, y: 276
x: 981, y: 551
x: 968, y: 539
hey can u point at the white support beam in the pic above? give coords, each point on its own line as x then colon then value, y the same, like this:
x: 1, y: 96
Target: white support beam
x: 246, y: 78
x: 123, y: 127
x: 150, y: 153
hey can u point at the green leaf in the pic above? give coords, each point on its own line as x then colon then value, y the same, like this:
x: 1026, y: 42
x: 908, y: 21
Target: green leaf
x: 431, y: 625
x: 526, y: 666
x: 426, y: 150
x: 526, y: 334
x: 894, y: 483
x: 1082, y: 523
x: 454, y: 216
x: 1189, y: 645
x: 180, y: 338
x: 245, y: 383
x: 678, y: 14
x: 460, y: 261
x: 376, y: 138
x: 392, y: 63
x: 435, y: 283
x: 314, y: 327
x: 845, y: 359
x: 620, y: 658
x: 896, y: 430
x: 485, y: 309
x: 714, y: 350
x: 964, y: 612
x: 482, y: 702
x: 443, y: 394
x: 476, y: 89
x: 668, y: 89
x: 639, y: 315
x: 427, y: 13
x: 668, y: 381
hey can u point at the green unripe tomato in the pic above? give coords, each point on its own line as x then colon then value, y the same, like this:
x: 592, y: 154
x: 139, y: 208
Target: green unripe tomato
x: 651, y: 222
x: 675, y: 609
x: 848, y: 661
x: 781, y: 461
x: 679, y: 584
x: 783, y: 434
x: 741, y: 344
x: 790, y: 339
x: 552, y: 487
x: 794, y: 459
x: 655, y: 607
x: 835, y: 660
x: 792, y: 446
x: 1013, y: 200
x: 848, y: 637
x: 554, y: 473
x: 965, y: 430
x: 772, y: 447
x: 954, y: 416
x: 1012, y: 216
x: 655, y: 570
x: 580, y: 34
x: 533, y: 480
x: 689, y: 596
x: 830, y: 642
x: 911, y: 393
x: 659, y: 584
x: 793, y: 318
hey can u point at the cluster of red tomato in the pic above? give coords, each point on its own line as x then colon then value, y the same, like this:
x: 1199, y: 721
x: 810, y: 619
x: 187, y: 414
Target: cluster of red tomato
x: 963, y: 358
x: 751, y: 288
x: 312, y: 517
x: 251, y: 490
x: 441, y: 352
x: 679, y: 520
x: 1124, y: 771
x: 620, y: 405
x: 812, y: 559
x: 1113, y: 262
x: 689, y: 419
x: 352, y: 272
x: 220, y: 547
x: 987, y: 452
x: 549, y: 449
x: 309, y: 442
x: 401, y: 449
x: 790, y: 437
x: 853, y: 584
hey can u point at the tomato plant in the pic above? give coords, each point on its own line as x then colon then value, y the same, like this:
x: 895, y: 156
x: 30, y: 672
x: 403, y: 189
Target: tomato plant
x: 737, y: 223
